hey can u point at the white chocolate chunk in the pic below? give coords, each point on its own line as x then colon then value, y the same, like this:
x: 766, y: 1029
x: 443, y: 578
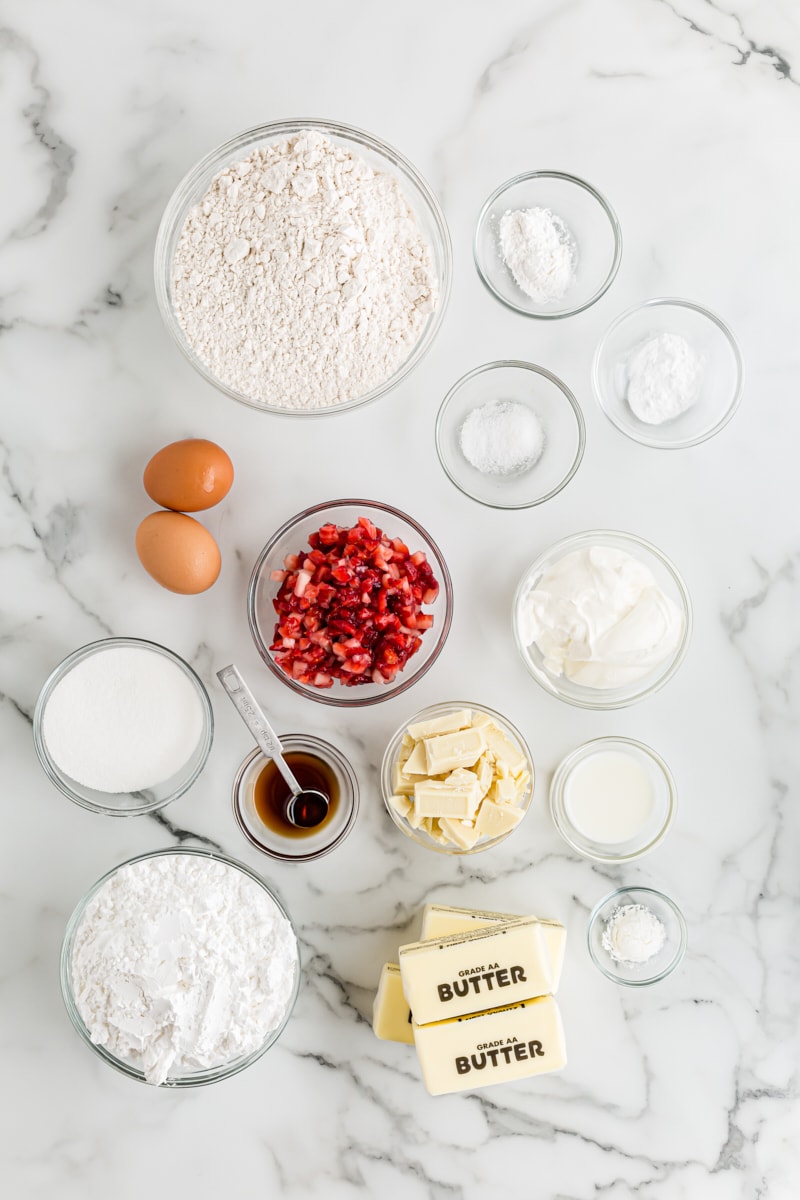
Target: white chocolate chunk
x: 401, y: 805
x: 416, y: 763
x: 449, y: 723
x: 404, y: 784
x: 468, y: 972
x: 491, y: 1047
x: 493, y: 820
x: 391, y: 1016
x: 503, y: 748
x: 450, y: 750
x: 485, y: 773
x: 451, y: 797
x: 459, y: 833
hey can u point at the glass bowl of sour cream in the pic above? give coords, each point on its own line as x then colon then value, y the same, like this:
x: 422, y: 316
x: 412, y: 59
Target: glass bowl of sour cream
x: 602, y: 619
x: 613, y: 799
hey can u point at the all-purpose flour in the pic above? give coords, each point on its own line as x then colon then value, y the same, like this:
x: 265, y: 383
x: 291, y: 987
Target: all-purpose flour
x: 539, y: 251
x: 302, y: 279
x: 182, y: 963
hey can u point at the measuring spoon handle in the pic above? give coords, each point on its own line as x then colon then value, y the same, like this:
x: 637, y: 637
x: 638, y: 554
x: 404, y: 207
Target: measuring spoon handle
x: 251, y: 713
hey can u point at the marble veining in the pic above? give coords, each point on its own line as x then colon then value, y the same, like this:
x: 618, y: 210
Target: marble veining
x: 684, y: 113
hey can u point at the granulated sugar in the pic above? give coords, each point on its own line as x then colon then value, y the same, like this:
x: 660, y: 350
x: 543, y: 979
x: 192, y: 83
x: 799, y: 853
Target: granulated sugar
x: 302, y: 278
x: 182, y: 963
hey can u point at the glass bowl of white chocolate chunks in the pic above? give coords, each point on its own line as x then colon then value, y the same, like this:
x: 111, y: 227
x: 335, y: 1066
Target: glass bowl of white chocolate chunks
x: 457, y: 778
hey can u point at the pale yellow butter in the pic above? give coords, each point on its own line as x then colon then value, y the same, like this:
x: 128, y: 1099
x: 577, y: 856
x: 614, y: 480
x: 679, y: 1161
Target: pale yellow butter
x: 497, y: 1046
x: 391, y: 1016
x: 442, y: 920
x: 469, y: 972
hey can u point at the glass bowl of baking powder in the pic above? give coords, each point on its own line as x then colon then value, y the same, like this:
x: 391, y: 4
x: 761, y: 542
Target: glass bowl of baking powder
x: 303, y: 267
x: 180, y: 967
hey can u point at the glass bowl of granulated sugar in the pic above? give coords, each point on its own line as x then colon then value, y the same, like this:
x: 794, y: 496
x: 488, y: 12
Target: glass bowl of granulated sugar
x: 123, y: 726
x: 547, y: 244
x: 668, y: 374
x: 303, y: 267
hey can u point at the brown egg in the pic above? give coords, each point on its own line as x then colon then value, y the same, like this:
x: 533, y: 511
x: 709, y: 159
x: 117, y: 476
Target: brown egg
x: 189, y: 476
x: 178, y: 552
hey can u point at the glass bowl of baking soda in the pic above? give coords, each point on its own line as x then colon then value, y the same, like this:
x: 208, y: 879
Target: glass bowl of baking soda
x: 668, y: 374
x: 547, y: 244
x: 636, y: 936
x: 510, y: 435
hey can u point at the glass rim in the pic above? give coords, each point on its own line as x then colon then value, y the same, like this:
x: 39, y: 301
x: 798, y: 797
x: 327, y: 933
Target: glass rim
x: 195, y: 1078
x: 174, y: 216
x: 679, y: 443
x: 564, y: 770
x: 516, y: 364
x: 616, y: 230
x: 318, y: 695
x: 606, y: 699
x: 53, y: 771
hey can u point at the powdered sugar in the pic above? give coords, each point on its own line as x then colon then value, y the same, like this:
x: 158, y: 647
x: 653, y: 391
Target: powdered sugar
x: 302, y: 279
x: 633, y: 935
x: 665, y: 375
x: 180, y: 963
x: 539, y: 251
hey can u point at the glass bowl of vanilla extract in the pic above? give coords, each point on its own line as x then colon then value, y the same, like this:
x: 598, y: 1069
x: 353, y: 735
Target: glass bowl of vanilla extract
x: 261, y: 799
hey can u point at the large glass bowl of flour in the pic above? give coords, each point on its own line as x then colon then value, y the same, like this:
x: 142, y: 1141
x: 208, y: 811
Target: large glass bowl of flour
x: 303, y: 267
x: 190, y: 996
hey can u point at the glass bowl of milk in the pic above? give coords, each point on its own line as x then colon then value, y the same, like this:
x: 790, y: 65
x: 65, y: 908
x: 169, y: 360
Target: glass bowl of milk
x: 613, y: 799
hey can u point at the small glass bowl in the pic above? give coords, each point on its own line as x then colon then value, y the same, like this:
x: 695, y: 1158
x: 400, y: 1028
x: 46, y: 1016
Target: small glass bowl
x: 548, y: 399
x: 590, y: 219
x: 191, y: 1078
x: 380, y: 156
x: 656, y: 968
x: 123, y: 804
x: 393, y: 749
x: 723, y: 372
x: 310, y: 843
x: 658, y: 824
x: 291, y: 538
x: 667, y: 578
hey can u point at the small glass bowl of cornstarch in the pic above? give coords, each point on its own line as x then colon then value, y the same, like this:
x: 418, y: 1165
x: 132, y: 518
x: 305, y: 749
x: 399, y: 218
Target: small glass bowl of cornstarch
x: 547, y: 244
x: 510, y: 434
x: 668, y: 373
x: 123, y: 726
x: 303, y: 267
x: 651, y: 958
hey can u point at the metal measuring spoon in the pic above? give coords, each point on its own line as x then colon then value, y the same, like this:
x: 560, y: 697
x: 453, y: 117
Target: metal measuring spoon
x: 306, y: 807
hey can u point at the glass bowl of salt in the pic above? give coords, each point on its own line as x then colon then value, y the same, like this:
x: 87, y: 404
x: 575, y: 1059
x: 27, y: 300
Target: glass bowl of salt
x: 547, y: 244
x: 668, y: 374
x: 123, y: 726
x: 510, y: 434
x: 637, y: 936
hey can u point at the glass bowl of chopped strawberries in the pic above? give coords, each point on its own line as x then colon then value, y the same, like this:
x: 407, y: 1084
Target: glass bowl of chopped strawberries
x: 350, y: 602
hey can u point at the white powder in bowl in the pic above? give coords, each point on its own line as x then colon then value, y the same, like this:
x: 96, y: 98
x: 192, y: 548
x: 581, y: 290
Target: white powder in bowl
x: 302, y: 279
x: 182, y: 963
x: 539, y: 251
x: 633, y: 935
x: 123, y: 719
x: 501, y: 437
x: 665, y: 375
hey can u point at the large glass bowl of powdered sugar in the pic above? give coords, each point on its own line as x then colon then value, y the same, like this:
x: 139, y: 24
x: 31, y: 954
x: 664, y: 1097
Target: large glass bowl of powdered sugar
x: 303, y: 267
x: 123, y: 726
x: 180, y: 968
x: 602, y: 619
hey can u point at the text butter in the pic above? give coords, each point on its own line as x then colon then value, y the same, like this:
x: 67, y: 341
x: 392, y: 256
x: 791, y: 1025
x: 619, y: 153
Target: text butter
x: 441, y: 920
x: 469, y: 972
x: 491, y: 1047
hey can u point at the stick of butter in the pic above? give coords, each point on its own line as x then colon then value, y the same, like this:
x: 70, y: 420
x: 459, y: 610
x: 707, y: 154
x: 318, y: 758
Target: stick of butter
x: 391, y: 1016
x: 441, y: 920
x: 468, y: 972
x: 491, y: 1047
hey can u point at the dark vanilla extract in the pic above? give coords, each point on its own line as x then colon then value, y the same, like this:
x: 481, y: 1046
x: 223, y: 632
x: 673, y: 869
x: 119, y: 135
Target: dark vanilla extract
x: 271, y: 794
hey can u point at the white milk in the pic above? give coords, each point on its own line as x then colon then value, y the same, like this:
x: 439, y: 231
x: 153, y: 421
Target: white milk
x: 609, y: 797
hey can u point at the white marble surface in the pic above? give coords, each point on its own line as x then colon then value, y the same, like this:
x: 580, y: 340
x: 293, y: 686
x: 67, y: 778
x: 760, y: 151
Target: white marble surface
x: 685, y: 114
